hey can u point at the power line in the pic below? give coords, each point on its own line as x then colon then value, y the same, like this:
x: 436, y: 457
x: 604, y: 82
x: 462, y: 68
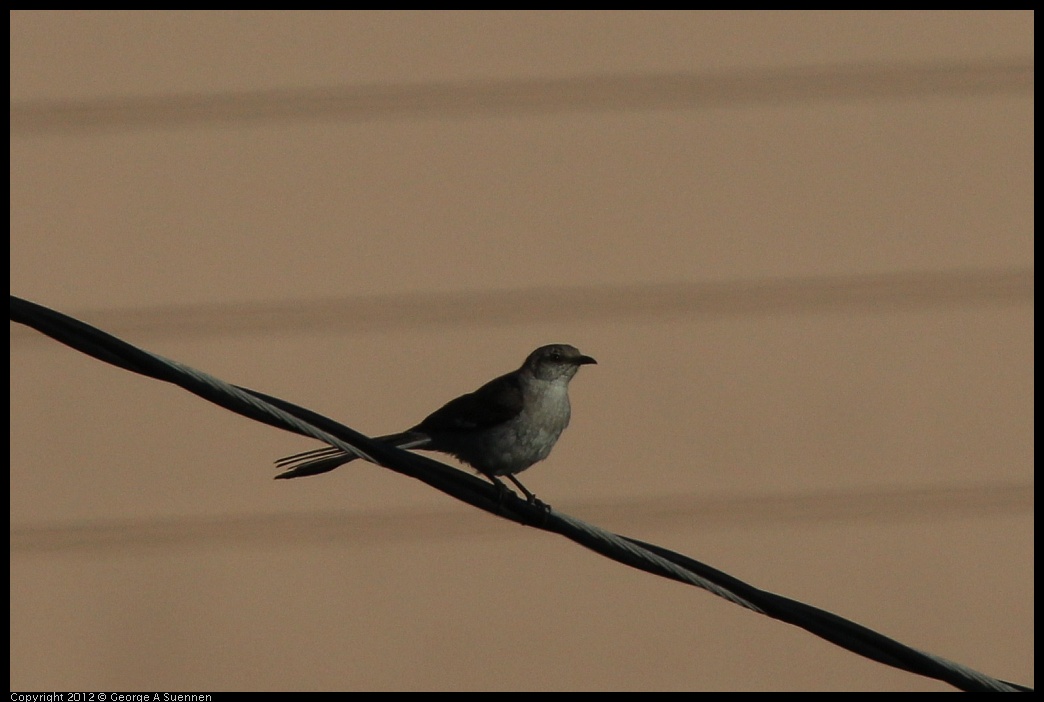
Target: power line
x: 746, y: 512
x: 872, y: 293
x: 617, y: 93
x: 467, y: 488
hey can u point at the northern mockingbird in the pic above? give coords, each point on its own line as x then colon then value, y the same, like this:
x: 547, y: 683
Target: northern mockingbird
x: 501, y: 429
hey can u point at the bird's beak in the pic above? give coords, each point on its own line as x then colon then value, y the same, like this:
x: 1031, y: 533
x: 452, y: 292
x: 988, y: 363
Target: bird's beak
x: 584, y: 360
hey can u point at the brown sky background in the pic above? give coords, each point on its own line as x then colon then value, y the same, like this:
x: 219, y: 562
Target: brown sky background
x: 799, y: 244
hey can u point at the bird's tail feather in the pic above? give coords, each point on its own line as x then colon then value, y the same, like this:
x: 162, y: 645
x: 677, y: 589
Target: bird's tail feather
x: 323, y: 460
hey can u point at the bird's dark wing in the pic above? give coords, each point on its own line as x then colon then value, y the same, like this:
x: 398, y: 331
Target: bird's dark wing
x: 494, y: 403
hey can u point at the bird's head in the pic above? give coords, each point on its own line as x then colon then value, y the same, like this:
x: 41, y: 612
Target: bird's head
x: 556, y: 361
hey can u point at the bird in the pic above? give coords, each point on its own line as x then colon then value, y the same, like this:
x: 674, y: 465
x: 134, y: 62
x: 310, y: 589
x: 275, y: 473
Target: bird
x: 501, y: 429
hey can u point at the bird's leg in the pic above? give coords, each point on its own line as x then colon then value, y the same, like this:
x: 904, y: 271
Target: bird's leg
x: 530, y: 497
x: 502, y: 489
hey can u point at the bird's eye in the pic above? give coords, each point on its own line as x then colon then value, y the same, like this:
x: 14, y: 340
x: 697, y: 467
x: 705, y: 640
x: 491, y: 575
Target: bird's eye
x: 556, y: 356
